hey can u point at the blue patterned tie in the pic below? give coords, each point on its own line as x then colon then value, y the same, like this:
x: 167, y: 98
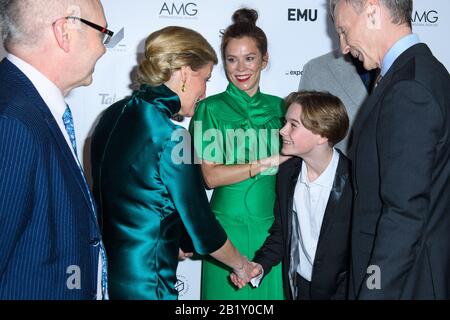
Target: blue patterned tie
x: 68, y: 124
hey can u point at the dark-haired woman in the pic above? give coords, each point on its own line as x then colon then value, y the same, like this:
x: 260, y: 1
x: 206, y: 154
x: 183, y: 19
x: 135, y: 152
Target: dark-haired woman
x: 245, y: 123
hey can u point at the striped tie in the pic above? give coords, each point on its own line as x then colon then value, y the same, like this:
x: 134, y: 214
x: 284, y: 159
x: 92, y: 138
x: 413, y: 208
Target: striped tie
x: 70, y: 129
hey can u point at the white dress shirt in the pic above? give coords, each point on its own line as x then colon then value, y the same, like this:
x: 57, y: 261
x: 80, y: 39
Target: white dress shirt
x: 54, y: 99
x: 310, y: 202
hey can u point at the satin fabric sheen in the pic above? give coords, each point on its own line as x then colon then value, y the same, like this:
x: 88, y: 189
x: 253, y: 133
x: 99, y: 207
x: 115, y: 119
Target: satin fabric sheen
x: 145, y: 198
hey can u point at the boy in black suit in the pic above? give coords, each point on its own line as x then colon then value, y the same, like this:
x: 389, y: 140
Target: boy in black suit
x: 310, y: 234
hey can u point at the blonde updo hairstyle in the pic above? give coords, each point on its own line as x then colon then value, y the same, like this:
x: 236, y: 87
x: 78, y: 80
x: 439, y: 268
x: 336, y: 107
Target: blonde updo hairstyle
x: 169, y: 49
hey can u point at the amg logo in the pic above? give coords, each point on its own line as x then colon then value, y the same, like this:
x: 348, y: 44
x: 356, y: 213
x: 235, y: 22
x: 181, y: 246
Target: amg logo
x: 299, y: 14
x: 430, y: 17
x: 184, y: 9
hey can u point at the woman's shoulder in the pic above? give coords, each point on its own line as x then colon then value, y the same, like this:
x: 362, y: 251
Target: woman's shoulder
x: 274, y: 101
x: 271, y: 97
x: 218, y: 107
x: 272, y: 106
x: 154, y: 122
x: 213, y: 102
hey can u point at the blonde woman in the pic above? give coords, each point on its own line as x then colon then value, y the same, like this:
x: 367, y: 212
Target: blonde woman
x: 145, y: 196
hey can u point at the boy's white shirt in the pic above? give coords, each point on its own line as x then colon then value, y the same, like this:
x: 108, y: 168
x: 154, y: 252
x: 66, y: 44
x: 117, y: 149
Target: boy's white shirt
x: 310, y: 222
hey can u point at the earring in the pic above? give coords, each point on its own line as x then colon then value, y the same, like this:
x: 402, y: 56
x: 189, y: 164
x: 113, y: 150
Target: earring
x: 177, y: 117
x: 183, y: 87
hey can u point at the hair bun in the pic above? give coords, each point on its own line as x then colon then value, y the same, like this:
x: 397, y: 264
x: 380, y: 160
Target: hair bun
x: 245, y: 16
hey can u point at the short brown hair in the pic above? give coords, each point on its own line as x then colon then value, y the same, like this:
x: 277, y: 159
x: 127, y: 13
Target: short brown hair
x: 322, y: 113
x: 169, y: 49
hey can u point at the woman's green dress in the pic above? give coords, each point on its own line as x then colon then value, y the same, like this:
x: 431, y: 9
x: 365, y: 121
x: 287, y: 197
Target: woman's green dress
x: 234, y: 128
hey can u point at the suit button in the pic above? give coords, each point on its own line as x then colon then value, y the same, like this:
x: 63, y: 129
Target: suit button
x: 94, y: 242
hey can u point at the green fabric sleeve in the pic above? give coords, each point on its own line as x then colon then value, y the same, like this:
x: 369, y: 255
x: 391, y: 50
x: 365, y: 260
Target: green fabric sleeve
x: 207, y: 138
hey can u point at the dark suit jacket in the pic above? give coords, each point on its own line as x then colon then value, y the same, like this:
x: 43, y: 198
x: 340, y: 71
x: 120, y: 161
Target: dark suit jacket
x: 330, y: 269
x: 401, y: 171
x: 47, y: 227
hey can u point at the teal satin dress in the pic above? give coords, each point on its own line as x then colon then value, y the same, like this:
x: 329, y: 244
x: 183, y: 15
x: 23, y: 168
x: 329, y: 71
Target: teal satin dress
x: 147, y: 198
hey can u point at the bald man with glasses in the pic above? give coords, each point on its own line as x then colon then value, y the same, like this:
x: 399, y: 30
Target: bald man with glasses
x: 50, y: 241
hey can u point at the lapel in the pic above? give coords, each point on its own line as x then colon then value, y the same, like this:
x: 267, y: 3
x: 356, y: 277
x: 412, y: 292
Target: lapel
x: 367, y: 107
x: 30, y: 91
x: 290, y: 177
x: 378, y: 93
x: 340, y: 180
x: 348, y: 79
x: 66, y: 153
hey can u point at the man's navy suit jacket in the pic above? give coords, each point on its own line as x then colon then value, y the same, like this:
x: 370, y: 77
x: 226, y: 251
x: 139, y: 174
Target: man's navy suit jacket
x: 49, y: 236
x: 401, y: 178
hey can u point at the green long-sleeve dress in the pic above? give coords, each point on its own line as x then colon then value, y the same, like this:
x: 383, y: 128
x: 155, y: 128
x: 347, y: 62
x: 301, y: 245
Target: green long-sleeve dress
x: 234, y: 128
x: 146, y: 196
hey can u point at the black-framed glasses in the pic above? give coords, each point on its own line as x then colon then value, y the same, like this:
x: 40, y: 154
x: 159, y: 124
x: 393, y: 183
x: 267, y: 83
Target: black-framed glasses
x: 107, y: 34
